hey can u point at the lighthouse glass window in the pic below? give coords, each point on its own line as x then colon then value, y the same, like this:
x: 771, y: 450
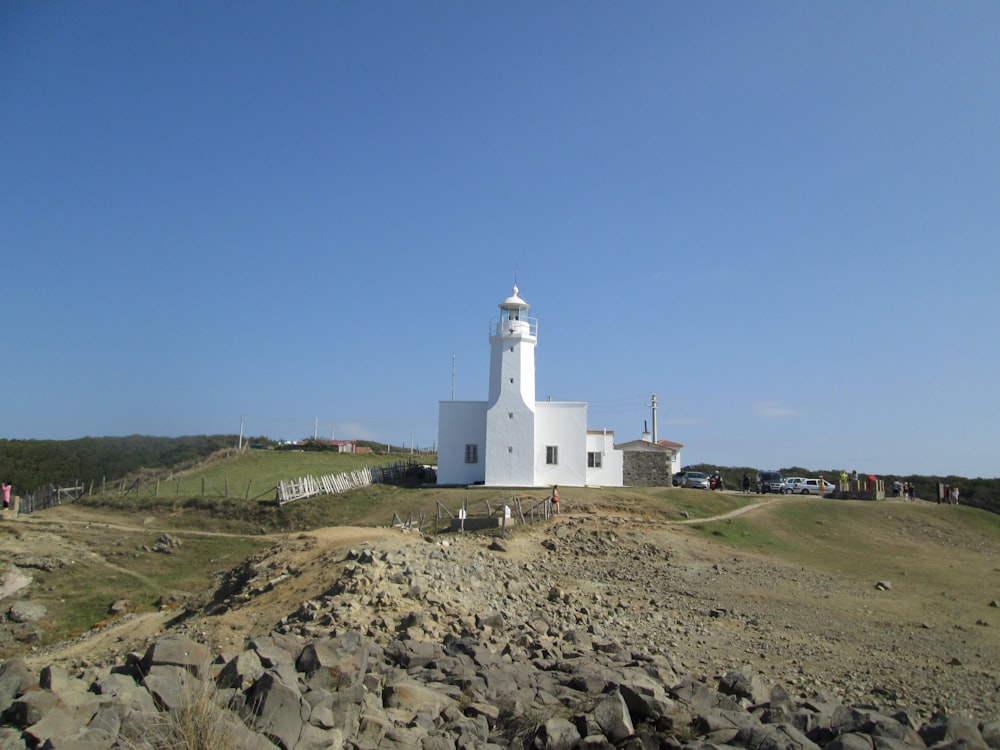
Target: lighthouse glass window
x: 552, y: 455
x: 471, y: 453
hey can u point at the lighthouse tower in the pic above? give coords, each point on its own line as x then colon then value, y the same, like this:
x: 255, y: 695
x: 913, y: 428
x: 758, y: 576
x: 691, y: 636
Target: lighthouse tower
x: 510, y: 410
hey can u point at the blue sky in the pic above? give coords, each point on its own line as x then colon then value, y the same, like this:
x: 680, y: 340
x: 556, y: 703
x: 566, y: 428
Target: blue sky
x: 782, y: 218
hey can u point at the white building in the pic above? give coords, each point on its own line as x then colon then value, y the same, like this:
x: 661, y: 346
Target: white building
x: 512, y: 440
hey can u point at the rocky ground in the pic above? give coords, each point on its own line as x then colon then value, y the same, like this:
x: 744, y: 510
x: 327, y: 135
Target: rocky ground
x: 652, y: 585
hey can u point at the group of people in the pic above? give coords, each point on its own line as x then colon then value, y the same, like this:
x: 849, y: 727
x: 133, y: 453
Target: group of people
x: 903, y: 490
x: 948, y: 495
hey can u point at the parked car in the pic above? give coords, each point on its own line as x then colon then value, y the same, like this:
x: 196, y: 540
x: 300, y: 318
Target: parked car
x: 789, y: 484
x: 769, y: 481
x: 813, y: 486
x: 676, y: 479
x: 693, y: 479
x: 810, y: 487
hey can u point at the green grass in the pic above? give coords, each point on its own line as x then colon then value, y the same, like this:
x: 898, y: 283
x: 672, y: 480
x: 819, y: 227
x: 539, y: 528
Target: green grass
x: 745, y: 534
x: 852, y: 538
x: 78, y: 595
x: 855, y: 537
x: 251, y: 475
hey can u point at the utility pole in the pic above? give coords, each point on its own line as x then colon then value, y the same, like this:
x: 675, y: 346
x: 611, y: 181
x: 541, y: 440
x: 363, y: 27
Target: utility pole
x: 315, y: 429
x: 239, y: 447
x: 653, y: 398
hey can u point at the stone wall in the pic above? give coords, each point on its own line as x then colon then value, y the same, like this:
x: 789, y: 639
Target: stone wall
x: 646, y: 469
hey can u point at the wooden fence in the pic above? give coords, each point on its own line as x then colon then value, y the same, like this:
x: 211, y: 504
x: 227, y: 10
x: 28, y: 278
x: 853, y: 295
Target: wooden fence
x: 50, y: 495
x: 508, y: 512
x: 289, y: 490
x: 47, y: 496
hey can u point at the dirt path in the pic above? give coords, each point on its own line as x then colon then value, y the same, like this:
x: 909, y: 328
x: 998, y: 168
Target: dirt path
x: 716, y: 606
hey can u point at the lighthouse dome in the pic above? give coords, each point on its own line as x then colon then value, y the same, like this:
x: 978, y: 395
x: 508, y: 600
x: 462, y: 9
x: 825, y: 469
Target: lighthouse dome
x: 513, y: 301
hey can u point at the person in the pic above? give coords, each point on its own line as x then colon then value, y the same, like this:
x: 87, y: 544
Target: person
x: 822, y: 486
x: 6, y: 495
x: 843, y: 480
x: 897, y: 487
x: 555, y: 498
x: 746, y: 483
x: 954, y: 495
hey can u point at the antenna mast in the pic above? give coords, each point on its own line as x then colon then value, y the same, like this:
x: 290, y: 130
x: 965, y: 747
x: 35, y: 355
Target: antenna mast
x: 653, y: 398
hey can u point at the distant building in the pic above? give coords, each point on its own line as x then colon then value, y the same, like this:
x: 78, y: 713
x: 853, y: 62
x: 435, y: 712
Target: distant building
x: 512, y: 440
x: 344, y: 446
x: 649, y: 464
x: 340, y: 446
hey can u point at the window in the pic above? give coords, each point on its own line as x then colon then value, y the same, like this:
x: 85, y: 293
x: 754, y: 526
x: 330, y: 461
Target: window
x: 510, y: 415
x: 471, y: 453
x: 594, y: 459
x: 552, y: 455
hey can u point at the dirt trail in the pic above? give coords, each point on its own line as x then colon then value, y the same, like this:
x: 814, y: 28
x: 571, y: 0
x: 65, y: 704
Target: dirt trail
x: 725, y: 607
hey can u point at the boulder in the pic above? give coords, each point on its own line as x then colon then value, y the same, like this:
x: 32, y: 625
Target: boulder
x: 179, y: 651
x: 26, y: 611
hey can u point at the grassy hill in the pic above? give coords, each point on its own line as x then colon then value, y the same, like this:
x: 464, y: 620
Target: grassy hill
x: 110, y: 539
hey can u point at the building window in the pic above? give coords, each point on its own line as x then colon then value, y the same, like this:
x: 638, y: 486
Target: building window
x: 510, y: 449
x: 510, y: 415
x: 594, y: 459
x: 512, y: 381
x: 552, y: 455
x: 471, y: 453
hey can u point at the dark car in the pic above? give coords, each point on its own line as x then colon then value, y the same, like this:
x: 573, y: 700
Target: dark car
x: 769, y: 481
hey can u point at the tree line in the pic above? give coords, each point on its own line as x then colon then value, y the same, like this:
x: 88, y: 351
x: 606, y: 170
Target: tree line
x: 978, y: 493
x: 29, y: 464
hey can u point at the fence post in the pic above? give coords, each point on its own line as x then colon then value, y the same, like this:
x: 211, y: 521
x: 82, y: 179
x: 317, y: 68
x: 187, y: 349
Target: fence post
x: 227, y: 486
x: 249, y: 485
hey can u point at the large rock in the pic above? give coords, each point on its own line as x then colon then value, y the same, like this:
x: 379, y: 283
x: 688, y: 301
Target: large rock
x: 15, y: 678
x: 26, y: 611
x: 278, y: 710
x: 12, y: 580
x: 336, y: 664
x: 179, y: 651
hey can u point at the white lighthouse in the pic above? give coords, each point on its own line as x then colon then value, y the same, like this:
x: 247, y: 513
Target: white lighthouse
x: 510, y: 411
x: 512, y: 440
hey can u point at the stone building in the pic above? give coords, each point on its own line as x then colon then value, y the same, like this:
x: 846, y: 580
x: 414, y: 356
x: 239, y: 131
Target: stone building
x: 649, y: 464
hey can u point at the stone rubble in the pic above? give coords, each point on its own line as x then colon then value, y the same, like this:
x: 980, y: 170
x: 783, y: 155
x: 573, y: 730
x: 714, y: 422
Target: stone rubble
x: 453, y: 645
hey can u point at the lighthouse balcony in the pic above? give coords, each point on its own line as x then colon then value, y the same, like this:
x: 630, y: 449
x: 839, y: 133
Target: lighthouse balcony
x: 522, y: 326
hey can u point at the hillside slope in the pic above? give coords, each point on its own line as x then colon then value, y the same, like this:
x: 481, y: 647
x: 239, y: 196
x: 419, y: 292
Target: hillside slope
x: 662, y: 587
